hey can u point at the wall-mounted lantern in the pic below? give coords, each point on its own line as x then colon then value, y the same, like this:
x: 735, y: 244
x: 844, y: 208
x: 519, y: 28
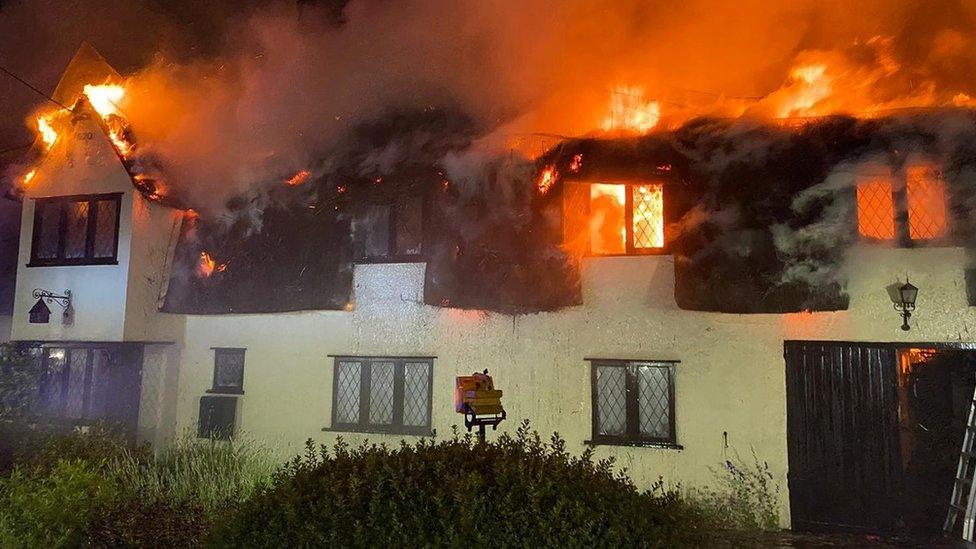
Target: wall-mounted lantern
x: 907, y: 293
x: 40, y: 313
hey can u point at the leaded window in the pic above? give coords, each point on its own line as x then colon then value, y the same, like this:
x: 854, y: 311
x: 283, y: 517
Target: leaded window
x: 633, y: 402
x: 614, y: 218
x: 909, y: 209
x: 382, y: 394
x: 389, y: 232
x: 76, y: 230
x: 228, y: 371
x: 73, y: 382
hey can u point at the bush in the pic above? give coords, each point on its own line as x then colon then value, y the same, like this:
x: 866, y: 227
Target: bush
x: 746, y: 497
x: 517, y: 491
x: 138, y: 522
x: 20, y: 372
x: 53, y: 507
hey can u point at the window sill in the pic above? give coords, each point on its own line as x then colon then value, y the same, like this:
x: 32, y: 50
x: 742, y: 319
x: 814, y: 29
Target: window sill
x: 73, y: 264
x: 229, y: 392
x: 424, y: 434
x: 391, y: 259
x: 634, y: 444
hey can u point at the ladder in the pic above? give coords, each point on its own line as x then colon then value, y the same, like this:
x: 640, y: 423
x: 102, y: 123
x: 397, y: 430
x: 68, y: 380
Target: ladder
x: 963, y: 500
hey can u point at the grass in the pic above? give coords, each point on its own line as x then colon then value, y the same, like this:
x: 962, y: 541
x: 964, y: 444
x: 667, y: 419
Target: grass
x: 211, y: 473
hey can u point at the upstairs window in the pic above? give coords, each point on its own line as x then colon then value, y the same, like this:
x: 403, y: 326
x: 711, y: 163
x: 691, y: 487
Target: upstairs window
x: 382, y: 395
x: 633, y: 402
x: 76, y: 230
x: 916, y: 210
x: 614, y: 218
x: 389, y: 232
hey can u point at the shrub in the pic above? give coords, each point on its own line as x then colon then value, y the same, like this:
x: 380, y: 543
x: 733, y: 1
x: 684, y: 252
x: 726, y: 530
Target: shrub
x: 517, y: 491
x: 53, y: 507
x: 746, y: 497
x: 138, y: 522
x: 20, y: 373
x: 213, y: 474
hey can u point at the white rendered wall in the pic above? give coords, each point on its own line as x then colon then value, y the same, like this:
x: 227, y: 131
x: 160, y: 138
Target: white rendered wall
x: 731, y: 377
x: 84, y: 163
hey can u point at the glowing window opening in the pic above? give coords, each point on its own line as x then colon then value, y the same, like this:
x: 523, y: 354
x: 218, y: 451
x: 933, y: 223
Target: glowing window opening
x: 625, y: 218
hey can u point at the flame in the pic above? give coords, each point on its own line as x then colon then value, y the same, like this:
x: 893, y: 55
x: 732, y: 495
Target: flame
x: 298, y: 178
x: 576, y: 163
x: 607, y: 223
x: 48, y: 135
x: 29, y: 175
x: 547, y: 179
x: 105, y: 98
x: 629, y: 111
x: 208, y: 266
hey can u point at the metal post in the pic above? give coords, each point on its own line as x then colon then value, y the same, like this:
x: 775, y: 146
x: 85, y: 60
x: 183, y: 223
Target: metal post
x: 481, y: 432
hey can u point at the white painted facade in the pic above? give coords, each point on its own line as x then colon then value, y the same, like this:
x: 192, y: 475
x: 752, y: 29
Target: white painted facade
x: 730, y: 379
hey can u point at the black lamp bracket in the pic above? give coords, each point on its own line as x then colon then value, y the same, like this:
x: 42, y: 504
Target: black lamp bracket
x: 50, y: 297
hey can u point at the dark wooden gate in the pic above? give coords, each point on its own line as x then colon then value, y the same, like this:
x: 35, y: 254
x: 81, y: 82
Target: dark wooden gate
x: 842, y: 429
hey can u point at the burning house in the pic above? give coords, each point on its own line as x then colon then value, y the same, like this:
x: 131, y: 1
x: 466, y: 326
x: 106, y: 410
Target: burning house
x: 672, y: 293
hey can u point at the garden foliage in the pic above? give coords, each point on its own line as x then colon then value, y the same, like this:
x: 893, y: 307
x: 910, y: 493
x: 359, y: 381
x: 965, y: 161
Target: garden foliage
x: 515, y: 491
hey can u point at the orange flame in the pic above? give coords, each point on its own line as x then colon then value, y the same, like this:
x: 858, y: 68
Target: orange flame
x: 629, y: 111
x: 576, y: 163
x: 208, y: 266
x: 105, y: 98
x: 298, y: 178
x: 547, y: 179
x: 48, y: 135
x: 29, y: 175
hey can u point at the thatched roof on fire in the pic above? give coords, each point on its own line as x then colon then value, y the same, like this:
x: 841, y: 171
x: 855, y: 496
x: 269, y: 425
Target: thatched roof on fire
x: 760, y: 216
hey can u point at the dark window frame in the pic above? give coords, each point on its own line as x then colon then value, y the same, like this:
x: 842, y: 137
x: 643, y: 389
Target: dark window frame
x: 396, y: 426
x: 629, y: 248
x: 391, y: 255
x: 62, y: 384
x: 227, y: 390
x: 632, y: 435
x: 89, y: 258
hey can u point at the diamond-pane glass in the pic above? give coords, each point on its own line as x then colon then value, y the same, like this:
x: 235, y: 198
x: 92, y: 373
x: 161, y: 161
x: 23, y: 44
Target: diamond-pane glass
x: 50, y: 400
x: 76, y: 231
x: 416, y: 397
x: 653, y: 400
x: 926, y: 203
x: 648, y: 216
x: 875, y: 210
x: 381, y: 393
x: 229, y: 369
x: 611, y: 392
x: 77, y: 366
x: 347, y: 392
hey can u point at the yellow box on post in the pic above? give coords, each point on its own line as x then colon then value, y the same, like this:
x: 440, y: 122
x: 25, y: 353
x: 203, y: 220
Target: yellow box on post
x: 475, y: 396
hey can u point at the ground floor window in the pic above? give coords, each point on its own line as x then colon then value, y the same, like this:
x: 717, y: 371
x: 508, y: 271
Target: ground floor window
x: 633, y: 402
x: 382, y: 394
x: 74, y: 382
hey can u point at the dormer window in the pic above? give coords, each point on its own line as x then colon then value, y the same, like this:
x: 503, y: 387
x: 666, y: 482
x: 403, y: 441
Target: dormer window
x: 76, y: 230
x: 391, y: 232
x: 614, y: 218
x: 912, y: 211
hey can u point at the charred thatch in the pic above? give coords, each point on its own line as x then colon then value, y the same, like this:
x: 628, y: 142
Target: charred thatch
x: 757, y: 219
x: 292, y: 248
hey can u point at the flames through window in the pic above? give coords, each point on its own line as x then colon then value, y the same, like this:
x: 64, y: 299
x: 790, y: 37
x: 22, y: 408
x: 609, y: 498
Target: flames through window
x: 614, y: 218
x: 913, y: 209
